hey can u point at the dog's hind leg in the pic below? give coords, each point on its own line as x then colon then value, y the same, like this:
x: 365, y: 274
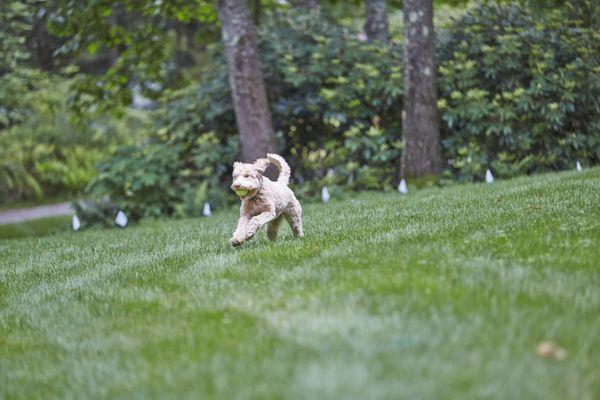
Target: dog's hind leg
x: 293, y: 215
x: 272, y: 228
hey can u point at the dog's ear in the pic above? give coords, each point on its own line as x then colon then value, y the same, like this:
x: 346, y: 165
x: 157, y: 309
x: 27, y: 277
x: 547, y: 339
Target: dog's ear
x: 261, y: 164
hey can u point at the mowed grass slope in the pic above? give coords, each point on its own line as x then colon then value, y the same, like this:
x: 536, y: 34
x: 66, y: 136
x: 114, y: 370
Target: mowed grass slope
x: 36, y: 227
x: 444, y: 293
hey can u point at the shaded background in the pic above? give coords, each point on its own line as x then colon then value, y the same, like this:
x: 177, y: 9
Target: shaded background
x: 127, y: 105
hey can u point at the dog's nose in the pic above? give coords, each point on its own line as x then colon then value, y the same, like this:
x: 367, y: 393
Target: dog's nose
x: 235, y: 186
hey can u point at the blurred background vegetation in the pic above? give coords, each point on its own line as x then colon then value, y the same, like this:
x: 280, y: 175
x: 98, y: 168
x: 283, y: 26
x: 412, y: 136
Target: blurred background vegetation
x: 128, y: 105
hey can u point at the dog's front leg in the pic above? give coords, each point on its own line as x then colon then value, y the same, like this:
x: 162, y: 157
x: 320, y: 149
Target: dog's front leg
x: 257, y: 221
x: 239, y: 235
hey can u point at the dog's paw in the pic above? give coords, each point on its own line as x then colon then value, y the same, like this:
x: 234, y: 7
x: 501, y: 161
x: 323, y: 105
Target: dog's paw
x: 251, y: 229
x: 235, y: 241
x: 249, y: 235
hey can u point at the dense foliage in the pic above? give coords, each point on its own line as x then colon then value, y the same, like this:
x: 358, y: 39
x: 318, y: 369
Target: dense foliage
x: 53, y: 152
x: 335, y: 102
x: 46, y: 149
x: 519, y: 93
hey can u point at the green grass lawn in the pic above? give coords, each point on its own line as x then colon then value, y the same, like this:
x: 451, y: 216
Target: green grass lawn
x: 35, y: 227
x: 444, y: 293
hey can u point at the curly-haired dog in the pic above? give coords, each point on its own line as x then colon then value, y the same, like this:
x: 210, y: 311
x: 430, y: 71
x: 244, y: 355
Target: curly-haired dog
x: 264, y: 201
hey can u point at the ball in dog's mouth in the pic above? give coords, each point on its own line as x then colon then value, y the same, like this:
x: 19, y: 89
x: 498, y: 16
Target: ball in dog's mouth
x: 241, y: 192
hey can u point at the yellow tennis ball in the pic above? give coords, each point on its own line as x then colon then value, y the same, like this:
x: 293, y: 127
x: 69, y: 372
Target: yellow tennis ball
x: 241, y: 192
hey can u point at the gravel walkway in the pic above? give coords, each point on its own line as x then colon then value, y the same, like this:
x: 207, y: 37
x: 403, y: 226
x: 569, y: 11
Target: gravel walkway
x: 26, y: 214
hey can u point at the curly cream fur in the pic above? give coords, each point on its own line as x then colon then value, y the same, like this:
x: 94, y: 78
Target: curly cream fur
x: 266, y: 202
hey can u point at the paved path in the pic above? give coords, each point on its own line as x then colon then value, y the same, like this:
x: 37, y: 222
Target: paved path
x: 26, y: 214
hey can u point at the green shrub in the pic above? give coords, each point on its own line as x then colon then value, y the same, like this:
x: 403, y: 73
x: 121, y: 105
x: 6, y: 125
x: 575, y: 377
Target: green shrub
x: 165, y: 178
x: 47, y: 150
x: 519, y: 92
x: 336, y: 100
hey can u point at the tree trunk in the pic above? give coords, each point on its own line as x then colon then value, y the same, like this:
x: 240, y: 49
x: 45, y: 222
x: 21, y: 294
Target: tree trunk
x: 252, y: 114
x: 257, y: 12
x: 422, y: 151
x: 376, y: 23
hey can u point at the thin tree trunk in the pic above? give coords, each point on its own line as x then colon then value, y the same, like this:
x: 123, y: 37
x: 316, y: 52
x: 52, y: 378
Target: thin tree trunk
x: 376, y: 22
x: 252, y: 114
x: 257, y: 12
x: 422, y: 151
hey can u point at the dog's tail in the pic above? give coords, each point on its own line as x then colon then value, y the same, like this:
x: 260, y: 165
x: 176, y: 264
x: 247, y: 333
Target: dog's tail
x: 282, y: 166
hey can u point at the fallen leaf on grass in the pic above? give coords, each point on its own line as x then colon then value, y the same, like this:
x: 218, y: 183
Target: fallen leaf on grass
x: 549, y: 349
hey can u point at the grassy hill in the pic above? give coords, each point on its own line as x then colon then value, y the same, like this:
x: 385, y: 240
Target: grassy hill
x: 445, y: 293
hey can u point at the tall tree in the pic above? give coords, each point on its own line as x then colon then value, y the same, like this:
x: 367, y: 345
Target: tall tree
x: 376, y: 22
x: 420, y: 126
x: 246, y: 80
x: 257, y: 11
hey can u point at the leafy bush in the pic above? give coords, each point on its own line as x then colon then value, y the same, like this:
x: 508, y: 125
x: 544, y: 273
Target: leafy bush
x: 165, y: 178
x: 45, y: 149
x: 519, y: 92
x: 336, y: 99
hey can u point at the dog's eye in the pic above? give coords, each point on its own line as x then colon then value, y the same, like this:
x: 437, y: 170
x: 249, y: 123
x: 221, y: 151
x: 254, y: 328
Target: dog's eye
x: 246, y: 175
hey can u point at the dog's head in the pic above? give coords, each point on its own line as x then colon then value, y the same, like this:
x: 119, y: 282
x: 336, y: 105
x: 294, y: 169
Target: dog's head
x: 249, y: 177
